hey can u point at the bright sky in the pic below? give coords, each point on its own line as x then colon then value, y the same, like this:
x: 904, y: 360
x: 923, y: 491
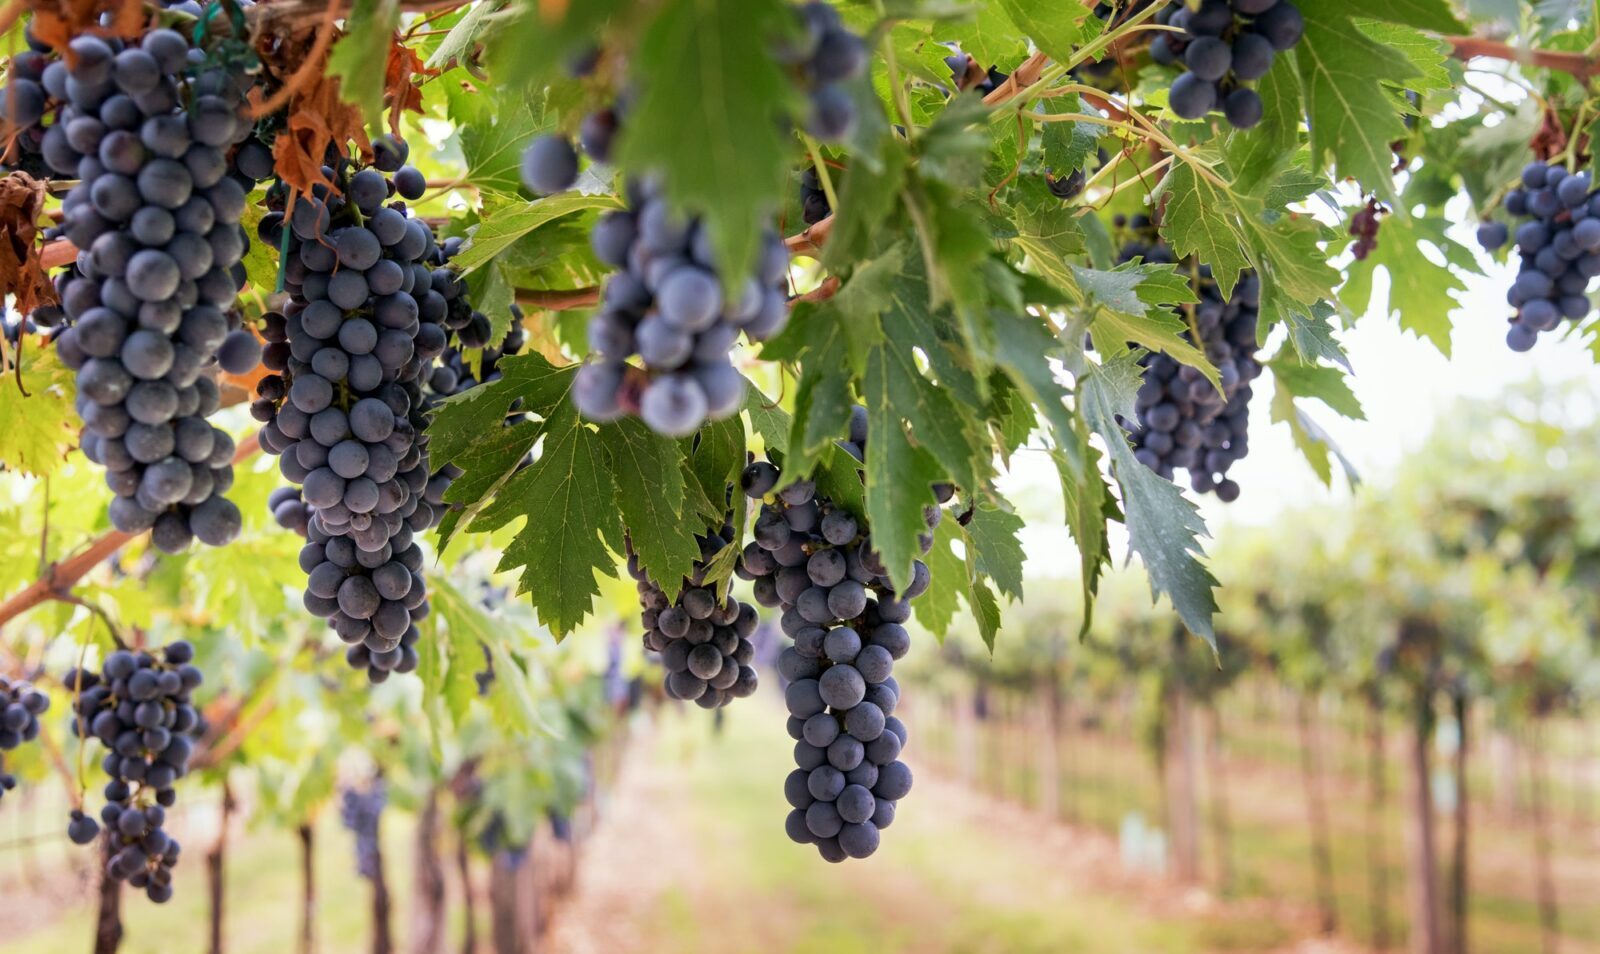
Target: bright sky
x: 1403, y: 383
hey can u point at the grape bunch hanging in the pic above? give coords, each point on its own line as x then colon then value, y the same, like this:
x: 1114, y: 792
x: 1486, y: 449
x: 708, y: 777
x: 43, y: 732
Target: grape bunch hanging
x: 139, y: 707
x: 1224, y: 46
x: 1558, y: 243
x: 361, y: 812
x: 1183, y: 421
x: 343, y: 408
x: 704, y: 642
x: 816, y: 561
x: 668, y: 306
x: 20, y: 708
x: 147, y: 129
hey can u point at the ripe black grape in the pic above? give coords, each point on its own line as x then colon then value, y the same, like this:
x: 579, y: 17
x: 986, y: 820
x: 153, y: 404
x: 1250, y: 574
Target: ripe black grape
x: 361, y: 813
x: 1224, y: 46
x: 667, y: 306
x: 140, y: 707
x: 703, y: 641
x: 1183, y: 421
x: 155, y: 215
x: 826, y: 57
x: 845, y: 618
x: 344, y: 408
x: 20, y: 708
x: 1559, y: 246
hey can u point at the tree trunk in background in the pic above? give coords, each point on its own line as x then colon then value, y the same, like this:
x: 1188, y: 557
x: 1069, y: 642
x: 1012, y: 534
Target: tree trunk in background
x: 1182, y: 810
x: 537, y: 888
x: 1549, y: 922
x: 1377, y: 804
x: 1458, y: 854
x: 1317, y: 813
x: 428, y: 907
x: 1426, y: 933
x: 1503, y: 767
x: 503, y: 904
x: 1049, y: 714
x: 1221, y: 819
x: 469, y: 897
x: 216, y: 863
x: 382, y: 908
x: 108, y: 922
x: 308, y: 888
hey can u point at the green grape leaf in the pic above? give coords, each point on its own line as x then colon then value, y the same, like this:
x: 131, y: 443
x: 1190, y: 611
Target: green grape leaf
x: 1309, y: 438
x: 997, y: 553
x: 947, y: 578
x: 706, y: 117
x: 504, y: 223
x: 540, y: 42
x: 991, y: 37
x: 1352, y: 117
x: 646, y: 469
x: 900, y: 476
x: 1434, y: 15
x: 360, y: 57
x: 1054, y: 27
x: 1420, y: 285
x: 38, y: 422
x: 1164, y: 528
x: 1325, y: 384
x: 1258, y: 155
x: 478, y: 23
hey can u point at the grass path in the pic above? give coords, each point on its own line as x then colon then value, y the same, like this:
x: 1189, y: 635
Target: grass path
x: 691, y: 857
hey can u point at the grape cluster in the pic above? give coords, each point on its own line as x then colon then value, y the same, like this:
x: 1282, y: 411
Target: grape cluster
x: 825, y: 57
x: 966, y: 73
x: 25, y: 105
x: 361, y: 812
x: 147, y: 128
x: 813, y: 200
x: 1364, y: 227
x: 20, y: 708
x: 1182, y: 420
x: 1224, y: 45
x: 1559, y: 244
x: 289, y: 510
x: 816, y: 561
x: 667, y: 306
x: 139, y: 706
x: 343, y: 408
x: 704, y: 642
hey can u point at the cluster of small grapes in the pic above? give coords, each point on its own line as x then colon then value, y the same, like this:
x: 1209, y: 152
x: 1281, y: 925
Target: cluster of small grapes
x: 967, y: 73
x: 813, y: 200
x: 344, y: 407
x: 1364, y: 227
x: 289, y: 510
x: 1559, y: 246
x: 1182, y: 419
x: 147, y: 129
x: 139, y: 707
x: 25, y: 106
x: 361, y: 812
x: 826, y: 56
x: 816, y: 561
x: 450, y: 373
x: 667, y: 306
x: 1224, y: 44
x: 704, y: 642
x: 20, y: 708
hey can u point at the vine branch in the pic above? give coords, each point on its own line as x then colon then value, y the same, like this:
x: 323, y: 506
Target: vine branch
x: 1581, y: 65
x: 58, y: 581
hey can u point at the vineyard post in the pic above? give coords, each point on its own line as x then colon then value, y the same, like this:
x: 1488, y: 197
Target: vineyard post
x: 1377, y: 803
x: 1549, y: 920
x: 428, y: 908
x: 469, y: 901
x: 503, y: 904
x: 1316, y: 811
x: 1221, y: 818
x: 382, y: 909
x: 1049, y: 714
x: 216, y: 868
x: 1458, y: 863
x: 1426, y: 936
x: 108, y: 921
x: 1178, y: 764
x: 308, y: 887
